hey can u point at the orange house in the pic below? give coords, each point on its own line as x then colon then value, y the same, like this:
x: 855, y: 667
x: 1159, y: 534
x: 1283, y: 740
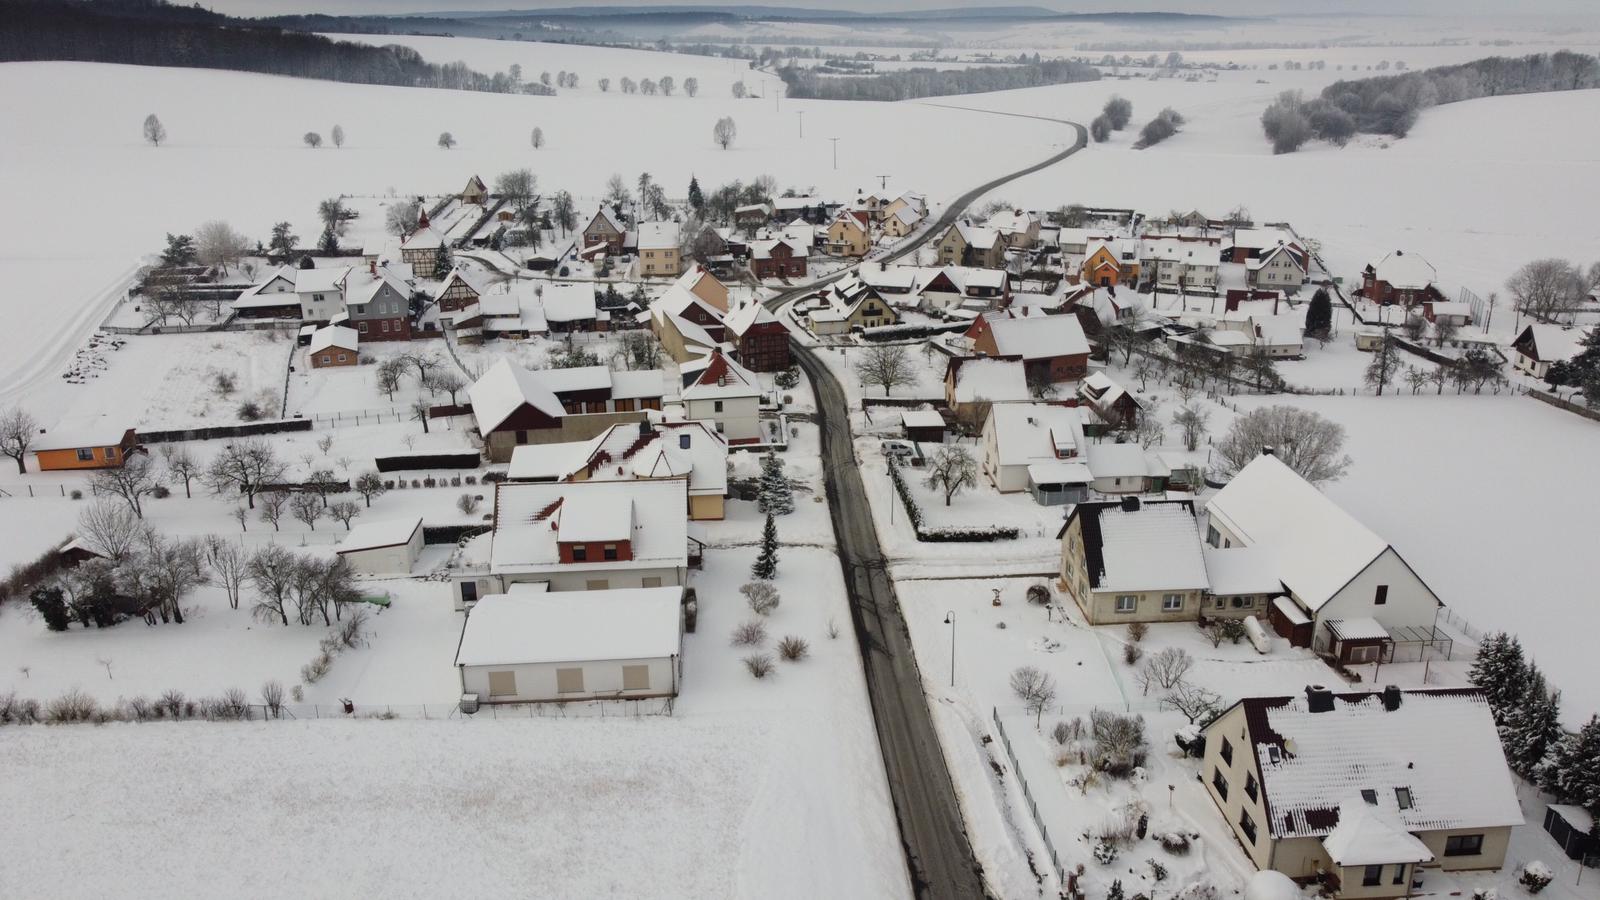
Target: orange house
x: 89, y: 445
x: 1102, y: 268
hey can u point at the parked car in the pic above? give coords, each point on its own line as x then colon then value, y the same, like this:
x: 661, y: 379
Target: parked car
x: 904, y: 451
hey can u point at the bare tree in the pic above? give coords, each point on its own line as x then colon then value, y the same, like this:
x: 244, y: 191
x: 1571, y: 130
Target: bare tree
x: 307, y: 507
x: 724, y: 132
x: 449, y: 382
x: 134, y: 480
x: 691, y: 86
x: 1035, y: 689
x: 419, y: 411
x: 668, y: 85
x: 1303, y: 440
x: 402, y: 217
x: 272, y: 696
x: 1545, y: 287
x: 423, y: 363
x: 245, y: 466
x: 273, y: 505
x: 1384, y: 366
x: 1191, y: 421
x: 312, y: 140
x: 110, y: 529
x: 271, y: 571
x: 1147, y: 429
x: 217, y: 244
x: 605, y: 85
x: 1119, y: 740
x: 338, y: 135
x: 154, y: 131
x: 343, y: 512
x: 182, y: 465
x: 389, y: 374
x: 1165, y: 670
x: 242, y: 516
x: 537, y: 138
x: 170, y: 570
x: 369, y: 485
x: 228, y: 561
x: 1197, y: 704
x: 762, y: 596
x: 467, y: 503
x: 18, y: 430
x: 952, y: 469
x: 887, y: 366
x: 739, y: 90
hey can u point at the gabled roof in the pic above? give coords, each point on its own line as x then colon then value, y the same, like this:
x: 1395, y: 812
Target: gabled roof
x: 676, y: 300
x: 1317, y: 546
x: 1432, y: 744
x: 1151, y: 546
x: 606, y: 219
x: 464, y: 277
x: 524, y: 540
x: 1241, y: 570
x: 989, y: 380
x: 978, y: 237
x: 572, y: 626
x: 742, y: 318
x: 505, y: 388
x: 568, y: 301
x: 333, y: 336
x: 658, y: 235
x: 1125, y: 461
x: 719, y: 378
x: 1552, y: 343
x: 1100, y: 390
x: 763, y: 249
x: 1033, y: 432
x: 308, y: 281
x: 1405, y: 271
x: 692, y: 277
x: 1269, y: 255
x: 424, y: 238
x: 82, y: 431
x: 1039, y: 337
x: 363, y: 285
x: 380, y: 533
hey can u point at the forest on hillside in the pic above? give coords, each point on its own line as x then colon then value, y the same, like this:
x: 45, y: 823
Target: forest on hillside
x: 807, y: 84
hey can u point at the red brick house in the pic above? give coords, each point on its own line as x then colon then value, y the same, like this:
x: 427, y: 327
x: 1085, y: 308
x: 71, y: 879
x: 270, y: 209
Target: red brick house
x: 778, y: 258
x: 604, y: 229
x: 761, y: 340
x: 1050, y: 347
x: 1406, y: 279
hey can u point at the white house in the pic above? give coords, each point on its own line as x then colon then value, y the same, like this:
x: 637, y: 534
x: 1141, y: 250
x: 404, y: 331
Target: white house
x: 1276, y: 268
x: 534, y: 646
x: 383, y: 547
x: 1338, y: 573
x: 1540, y: 346
x: 720, y: 391
x: 321, y: 292
x: 1126, y: 469
x: 647, y: 451
x: 1018, y: 436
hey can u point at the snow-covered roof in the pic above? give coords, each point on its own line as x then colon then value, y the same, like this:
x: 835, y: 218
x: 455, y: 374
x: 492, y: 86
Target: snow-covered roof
x: 1151, y: 546
x: 467, y: 277
x: 658, y: 235
x: 1360, y: 628
x: 1039, y: 337
x: 604, y: 518
x: 1367, y: 836
x: 504, y: 388
x: 1027, y: 433
x: 637, y: 383
x: 720, y: 378
x: 1287, y: 608
x: 1554, y: 343
x: 528, y: 516
x: 572, y: 626
x: 340, y: 336
x: 978, y: 237
x: 1125, y: 461
x: 1270, y: 884
x: 1100, y: 390
x: 742, y: 318
x: 307, y: 281
x: 1278, y: 331
x: 1434, y: 742
x: 1405, y: 271
x: 1241, y: 570
x: 1012, y: 221
x: 424, y: 238
x: 1317, y: 546
x: 921, y: 418
x: 992, y: 380
x: 548, y: 462
x: 82, y: 431
x: 1059, y: 472
x: 568, y: 301
x: 253, y: 298
x: 1261, y: 238
x: 624, y: 452
x: 1576, y: 816
x: 763, y: 249
x: 380, y: 533
x: 1268, y: 255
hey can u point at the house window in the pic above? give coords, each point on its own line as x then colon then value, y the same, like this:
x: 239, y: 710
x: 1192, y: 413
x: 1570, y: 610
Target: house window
x: 1250, y: 786
x: 1371, y: 875
x: 1381, y: 596
x: 1463, y: 845
x: 569, y: 681
x: 469, y: 592
x: 361, y: 327
x: 1243, y: 602
x: 650, y: 581
x: 1248, y: 826
x: 1222, y: 602
x: 1220, y: 783
x: 716, y: 406
x: 1399, y: 875
x: 343, y: 357
x: 1402, y: 796
x: 610, y: 551
x: 597, y: 584
x: 1127, y: 603
x: 1274, y: 754
x: 1370, y: 796
x: 580, y: 553
x: 85, y: 454
x: 636, y: 678
x: 326, y: 359
x: 111, y: 454
x: 385, y: 327
x: 502, y: 684
x: 1171, y: 602
x: 1226, y: 752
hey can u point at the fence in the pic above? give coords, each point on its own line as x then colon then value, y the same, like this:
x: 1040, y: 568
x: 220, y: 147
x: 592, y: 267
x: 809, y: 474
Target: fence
x: 1569, y: 406
x: 220, y: 709
x: 1027, y: 794
x: 214, y: 432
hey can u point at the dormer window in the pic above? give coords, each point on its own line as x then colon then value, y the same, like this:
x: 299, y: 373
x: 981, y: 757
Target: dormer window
x: 1370, y: 796
x: 1402, y: 796
x: 1274, y: 754
x: 580, y: 553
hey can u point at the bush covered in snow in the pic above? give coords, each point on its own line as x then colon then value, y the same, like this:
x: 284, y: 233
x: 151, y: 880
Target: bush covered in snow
x: 1105, y: 853
x: 1535, y: 876
x: 1174, y: 842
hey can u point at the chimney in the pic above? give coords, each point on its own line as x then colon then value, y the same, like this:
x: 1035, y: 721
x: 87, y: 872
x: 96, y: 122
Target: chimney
x: 1318, y: 698
x: 372, y: 267
x: 1130, y: 504
x: 1269, y: 451
x: 1391, y: 697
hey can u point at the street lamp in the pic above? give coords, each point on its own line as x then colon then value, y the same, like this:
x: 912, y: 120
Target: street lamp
x: 950, y: 619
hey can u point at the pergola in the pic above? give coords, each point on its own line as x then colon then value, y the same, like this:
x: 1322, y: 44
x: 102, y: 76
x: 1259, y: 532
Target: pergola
x: 1417, y: 640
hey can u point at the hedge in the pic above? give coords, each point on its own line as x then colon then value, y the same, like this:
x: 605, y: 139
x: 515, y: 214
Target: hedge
x: 943, y: 534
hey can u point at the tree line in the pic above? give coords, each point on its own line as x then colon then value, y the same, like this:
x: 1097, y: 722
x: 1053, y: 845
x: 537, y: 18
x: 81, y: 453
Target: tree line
x: 910, y: 84
x: 1390, y: 104
x: 145, y: 33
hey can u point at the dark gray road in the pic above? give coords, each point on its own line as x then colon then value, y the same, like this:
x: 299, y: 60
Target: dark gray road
x: 938, y: 854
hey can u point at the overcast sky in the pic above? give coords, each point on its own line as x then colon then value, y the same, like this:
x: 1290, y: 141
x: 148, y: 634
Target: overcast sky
x: 1236, y: 7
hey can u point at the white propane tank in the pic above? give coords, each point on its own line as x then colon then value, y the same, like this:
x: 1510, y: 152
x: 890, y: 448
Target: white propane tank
x: 1257, y: 634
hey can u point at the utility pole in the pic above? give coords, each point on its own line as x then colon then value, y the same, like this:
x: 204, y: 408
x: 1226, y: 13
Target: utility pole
x: 802, y: 115
x: 883, y: 182
x: 835, y: 152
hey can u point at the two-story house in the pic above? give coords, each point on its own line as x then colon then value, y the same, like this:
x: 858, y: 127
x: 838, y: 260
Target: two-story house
x: 321, y: 293
x: 686, y: 451
x: 1133, y: 561
x: 1277, y: 268
x: 658, y: 250
x: 760, y: 339
x: 720, y: 391
x: 512, y: 406
x: 1052, y: 348
x: 378, y: 301
x: 966, y: 244
x: 604, y: 229
x: 848, y: 235
x: 1024, y: 440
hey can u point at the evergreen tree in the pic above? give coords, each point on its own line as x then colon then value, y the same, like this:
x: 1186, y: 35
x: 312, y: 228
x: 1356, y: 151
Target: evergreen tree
x: 52, y: 605
x: 180, y: 251
x: 697, y: 199
x: 328, y: 243
x: 1532, y: 726
x: 1319, y: 316
x: 282, y: 241
x: 776, y: 496
x: 1501, y: 672
x: 1572, y: 772
x: 766, y: 565
x: 441, y: 268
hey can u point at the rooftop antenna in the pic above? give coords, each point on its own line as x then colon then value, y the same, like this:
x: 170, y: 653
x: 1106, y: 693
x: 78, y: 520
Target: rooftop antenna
x: 883, y: 182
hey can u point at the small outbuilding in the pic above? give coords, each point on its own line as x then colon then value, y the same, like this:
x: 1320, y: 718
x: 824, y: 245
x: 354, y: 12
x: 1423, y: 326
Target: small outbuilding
x: 622, y: 644
x: 96, y: 442
x: 333, y: 345
x: 386, y: 547
x: 923, y: 425
x: 1573, y: 828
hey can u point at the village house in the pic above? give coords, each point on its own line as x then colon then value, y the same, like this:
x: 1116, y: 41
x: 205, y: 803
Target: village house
x: 333, y: 345
x: 690, y: 451
x: 847, y: 304
x: 848, y: 236
x: 321, y: 293
x: 718, y: 390
x: 686, y: 326
x: 813, y: 210
x: 605, y: 230
x: 422, y: 249
x: 658, y: 250
x: 752, y: 215
x: 1133, y: 561
x: 902, y: 222
x: 1053, y: 349
x: 1362, y: 601
x: 579, y: 536
x: 569, y: 306
x: 460, y: 290
x: 1278, y: 268
x: 378, y: 302
x: 1018, y: 228
x: 1364, y: 791
x: 1126, y: 469
x: 1246, y: 244
x: 1403, y: 278
x: 966, y: 244
x: 1020, y: 436
x: 759, y: 338
x: 383, y: 547
x: 512, y: 406
x: 972, y: 380
x: 94, y: 442
x: 1114, y: 404
x: 1179, y: 266
x: 1540, y: 346
x: 778, y: 258
x: 533, y: 646
x: 916, y: 203
x: 476, y: 193
x: 699, y: 281
x: 964, y: 287
x: 1110, y: 263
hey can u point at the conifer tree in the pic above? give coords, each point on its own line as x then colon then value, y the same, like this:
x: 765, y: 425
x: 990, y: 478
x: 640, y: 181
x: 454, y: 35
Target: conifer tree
x: 766, y: 565
x: 697, y: 198
x: 1572, y: 773
x: 1500, y: 672
x: 776, y: 496
x: 1532, y: 726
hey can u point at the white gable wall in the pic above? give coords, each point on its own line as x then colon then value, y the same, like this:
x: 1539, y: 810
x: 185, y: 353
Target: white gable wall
x: 1409, y: 600
x: 738, y: 420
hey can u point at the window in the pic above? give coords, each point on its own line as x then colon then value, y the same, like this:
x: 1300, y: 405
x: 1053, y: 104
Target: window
x: 569, y: 681
x: 1381, y: 596
x: 326, y: 359
x: 111, y: 454
x: 361, y: 327
x: 1127, y: 603
x: 716, y: 406
x: 385, y: 326
x: 1221, y: 602
x: 636, y: 678
x: 502, y: 684
x: 85, y: 454
x: 1463, y: 845
x: 580, y: 553
x: 1248, y: 826
x: 597, y: 584
x: 1243, y: 602
x: 1402, y: 796
x: 1399, y: 875
x: 1226, y: 752
x: 610, y: 551
x: 1274, y: 754
x: 469, y: 592
x: 1213, y: 537
x: 1220, y: 783
x: 1370, y: 796
x: 650, y: 581
x: 1250, y: 786
x: 1171, y: 602
x: 343, y: 358
x: 1372, y: 875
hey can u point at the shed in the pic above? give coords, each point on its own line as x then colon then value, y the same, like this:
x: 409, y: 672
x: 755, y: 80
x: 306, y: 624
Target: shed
x: 1362, y: 639
x: 384, y: 547
x: 1058, y: 483
x: 925, y: 425
x: 95, y: 442
x: 1573, y: 828
x: 573, y: 645
x: 1290, y: 622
